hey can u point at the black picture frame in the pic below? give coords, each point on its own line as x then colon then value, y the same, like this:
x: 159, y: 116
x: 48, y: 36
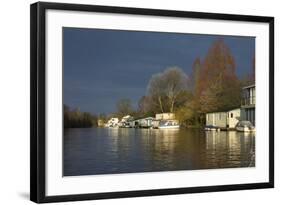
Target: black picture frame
x: 38, y: 103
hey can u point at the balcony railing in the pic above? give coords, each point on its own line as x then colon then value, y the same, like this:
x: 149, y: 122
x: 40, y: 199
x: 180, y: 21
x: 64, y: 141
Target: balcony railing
x: 248, y: 101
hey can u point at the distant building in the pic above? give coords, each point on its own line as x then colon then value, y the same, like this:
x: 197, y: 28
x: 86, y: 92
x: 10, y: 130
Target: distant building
x: 132, y: 123
x: 146, y: 122
x: 227, y: 119
x: 165, y: 116
x: 142, y: 122
x: 248, y: 103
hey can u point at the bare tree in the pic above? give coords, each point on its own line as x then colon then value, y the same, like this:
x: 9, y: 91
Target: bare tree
x: 124, y: 107
x: 156, y: 90
x: 176, y: 82
x: 165, y: 88
x: 143, y: 105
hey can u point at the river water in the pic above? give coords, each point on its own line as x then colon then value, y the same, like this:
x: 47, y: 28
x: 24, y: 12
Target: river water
x: 89, y: 151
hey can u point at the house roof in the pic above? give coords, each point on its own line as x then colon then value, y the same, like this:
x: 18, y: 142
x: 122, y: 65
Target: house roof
x: 146, y: 118
x: 228, y: 110
x: 165, y: 113
x: 143, y: 118
x: 249, y: 86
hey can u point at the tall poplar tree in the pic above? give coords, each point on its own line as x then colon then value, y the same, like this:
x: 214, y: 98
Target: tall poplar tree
x: 219, y: 87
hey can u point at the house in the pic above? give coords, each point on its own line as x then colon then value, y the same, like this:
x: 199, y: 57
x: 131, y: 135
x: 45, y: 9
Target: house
x: 146, y: 122
x: 135, y: 123
x: 165, y: 116
x: 224, y: 120
x: 132, y: 123
x: 248, y: 103
x: 142, y: 122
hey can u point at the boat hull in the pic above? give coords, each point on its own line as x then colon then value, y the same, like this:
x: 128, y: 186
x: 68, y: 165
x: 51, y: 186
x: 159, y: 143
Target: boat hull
x: 212, y: 129
x: 244, y: 129
x: 169, y: 127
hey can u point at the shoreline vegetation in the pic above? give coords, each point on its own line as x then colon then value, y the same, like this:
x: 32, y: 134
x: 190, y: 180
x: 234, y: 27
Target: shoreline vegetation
x: 213, y: 85
x: 74, y: 118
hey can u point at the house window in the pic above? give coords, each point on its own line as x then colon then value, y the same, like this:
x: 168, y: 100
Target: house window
x: 231, y: 115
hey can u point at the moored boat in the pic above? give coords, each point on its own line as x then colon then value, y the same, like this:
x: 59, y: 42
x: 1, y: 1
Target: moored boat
x: 245, y: 126
x: 211, y: 128
x: 169, y: 124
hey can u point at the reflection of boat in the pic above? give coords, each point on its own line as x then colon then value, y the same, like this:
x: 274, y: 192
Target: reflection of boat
x: 168, y: 124
x: 211, y: 128
x: 245, y: 126
x: 124, y: 125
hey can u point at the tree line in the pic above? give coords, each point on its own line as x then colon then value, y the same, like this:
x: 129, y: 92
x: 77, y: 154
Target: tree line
x: 74, y: 118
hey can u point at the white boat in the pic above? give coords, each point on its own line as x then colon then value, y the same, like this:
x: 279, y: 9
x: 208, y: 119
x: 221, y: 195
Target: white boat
x: 245, y: 126
x: 169, y: 127
x: 211, y: 128
x: 168, y: 124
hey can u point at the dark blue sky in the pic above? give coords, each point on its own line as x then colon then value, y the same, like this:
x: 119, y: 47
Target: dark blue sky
x: 103, y: 66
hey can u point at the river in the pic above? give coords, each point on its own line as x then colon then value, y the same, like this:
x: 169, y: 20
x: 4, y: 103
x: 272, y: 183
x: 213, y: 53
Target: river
x: 89, y: 151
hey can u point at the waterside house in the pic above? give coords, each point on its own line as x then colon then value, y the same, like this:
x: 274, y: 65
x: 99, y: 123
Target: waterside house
x: 224, y: 120
x: 165, y: 116
x: 141, y: 122
x: 146, y: 122
x: 229, y: 119
x: 248, y: 103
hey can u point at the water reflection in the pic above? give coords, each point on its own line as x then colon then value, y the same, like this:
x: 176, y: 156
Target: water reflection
x: 112, y: 150
x: 228, y: 149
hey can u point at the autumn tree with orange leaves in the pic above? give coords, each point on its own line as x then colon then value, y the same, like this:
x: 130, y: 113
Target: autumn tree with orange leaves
x: 218, y: 87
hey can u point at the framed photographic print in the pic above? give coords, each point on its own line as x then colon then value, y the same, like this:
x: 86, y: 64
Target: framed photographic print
x: 129, y: 102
